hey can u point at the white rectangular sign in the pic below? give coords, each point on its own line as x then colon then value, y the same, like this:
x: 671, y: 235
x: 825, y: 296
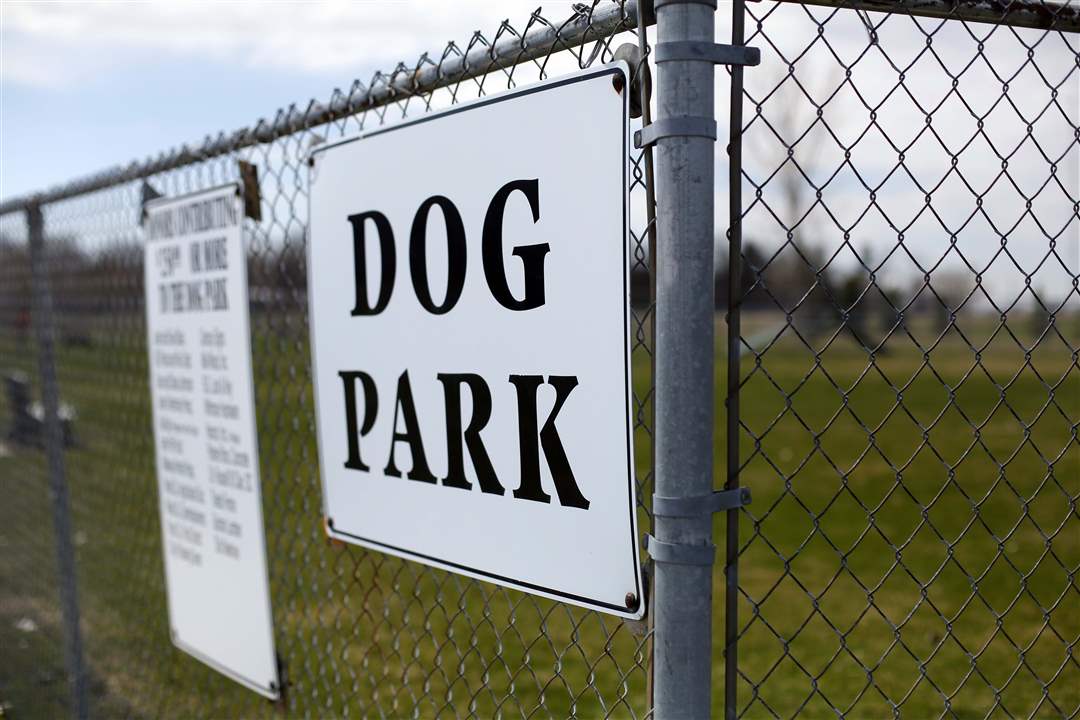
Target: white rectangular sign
x: 204, y: 435
x: 469, y: 306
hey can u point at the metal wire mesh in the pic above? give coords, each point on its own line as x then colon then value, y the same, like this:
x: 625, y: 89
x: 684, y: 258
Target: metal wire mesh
x: 358, y: 632
x: 30, y: 602
x: 910, y: 399
x: 909, y: 387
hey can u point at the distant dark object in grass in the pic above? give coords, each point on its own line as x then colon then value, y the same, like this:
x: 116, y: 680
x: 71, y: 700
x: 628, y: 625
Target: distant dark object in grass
x: 27, y: 425
x: 78, y: 338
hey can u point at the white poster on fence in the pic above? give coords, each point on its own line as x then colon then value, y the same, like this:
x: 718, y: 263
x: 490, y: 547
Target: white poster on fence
x: 469, y: 306
x: 204, y: 435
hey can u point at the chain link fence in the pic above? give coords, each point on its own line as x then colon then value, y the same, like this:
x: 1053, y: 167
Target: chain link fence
x: 903, y: 262
x: 910, y: 395
x: 358, y: 632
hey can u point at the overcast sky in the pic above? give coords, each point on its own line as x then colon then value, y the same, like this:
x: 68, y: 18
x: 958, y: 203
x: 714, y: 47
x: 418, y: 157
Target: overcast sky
x: 84, y: 86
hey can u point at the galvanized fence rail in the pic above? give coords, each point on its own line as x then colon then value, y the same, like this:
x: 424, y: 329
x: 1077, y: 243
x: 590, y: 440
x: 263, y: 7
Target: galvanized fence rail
x: 889, y: 333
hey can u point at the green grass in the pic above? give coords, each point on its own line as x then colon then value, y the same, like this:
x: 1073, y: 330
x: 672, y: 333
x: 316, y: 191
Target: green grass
x: 939, y: 552
x: 875, y: 576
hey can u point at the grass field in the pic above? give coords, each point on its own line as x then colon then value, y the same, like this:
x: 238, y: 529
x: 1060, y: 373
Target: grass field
x: 912, y: 548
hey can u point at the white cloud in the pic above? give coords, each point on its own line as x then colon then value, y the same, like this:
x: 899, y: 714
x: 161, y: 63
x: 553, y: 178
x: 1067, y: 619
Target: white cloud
x: 57, y: 44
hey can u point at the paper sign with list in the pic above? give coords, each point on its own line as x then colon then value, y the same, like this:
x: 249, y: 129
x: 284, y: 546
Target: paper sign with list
x: 198, y: 336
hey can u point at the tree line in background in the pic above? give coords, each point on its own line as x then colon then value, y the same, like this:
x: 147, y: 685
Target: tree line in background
x: 109, y: 281
x: 794, y: 284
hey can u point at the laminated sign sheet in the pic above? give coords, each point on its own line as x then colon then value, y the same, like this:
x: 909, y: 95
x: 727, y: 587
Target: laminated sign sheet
x: 204, y: 435
x: 469, y: 303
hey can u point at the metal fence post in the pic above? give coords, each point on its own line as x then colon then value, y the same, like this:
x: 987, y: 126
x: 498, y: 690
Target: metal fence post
x: 45, y: 332
x: 684, y: 363
x: 734, y: 371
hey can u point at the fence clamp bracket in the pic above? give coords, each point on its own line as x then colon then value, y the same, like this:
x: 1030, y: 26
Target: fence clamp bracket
x: 689, y: 126
x: 692, y: 506
x: 715, y: 53
x: 697, y: 505
x: 679, y: 553
x: 683, y: 126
